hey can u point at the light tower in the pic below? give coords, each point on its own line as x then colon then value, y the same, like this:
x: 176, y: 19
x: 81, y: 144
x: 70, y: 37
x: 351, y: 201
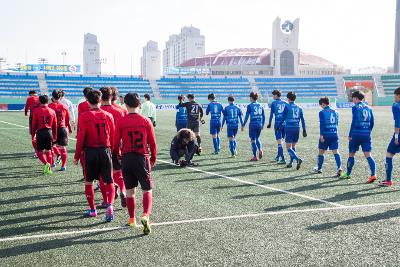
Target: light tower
x: 396, y: 66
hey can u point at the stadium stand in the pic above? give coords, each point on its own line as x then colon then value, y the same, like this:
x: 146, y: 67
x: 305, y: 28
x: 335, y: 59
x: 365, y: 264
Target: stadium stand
x: 358, y: 78
x: 17, y: 85
x: 390, y: 82
x: 201, y: 87
x: 303, y: 86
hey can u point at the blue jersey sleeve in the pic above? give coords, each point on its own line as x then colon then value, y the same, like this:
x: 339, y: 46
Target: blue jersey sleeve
x: 271, y: 114
x: 353, y: 121
x: 321, y: 123
x: 208, y: 109
x: 396, y: 116
x: 263, y: 117
x: 372, y: 121
x: 223, y: 118
x: 247, y: 115
x: 303, y: 122
x: 240, y: 117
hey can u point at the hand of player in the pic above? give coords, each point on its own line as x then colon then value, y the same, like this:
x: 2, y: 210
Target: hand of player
x: 152, y: 162
x: 304, y: 133
x: 396, y: 141
x: 76, y: 161
x: 321, y: 138
x: 349, y: 138
x: 269, y: 126
x: 26, y: 114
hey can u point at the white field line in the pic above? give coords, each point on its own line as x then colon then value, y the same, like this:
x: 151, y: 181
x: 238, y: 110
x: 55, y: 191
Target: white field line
x: 18, y: 125
x: 253, y: 215
x: 11, y: 128
x: 262, y: 186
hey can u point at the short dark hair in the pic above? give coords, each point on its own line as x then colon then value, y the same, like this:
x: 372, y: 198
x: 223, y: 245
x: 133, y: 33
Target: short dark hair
x: 190, y: 96
x: 86, y: 90
x: 231, y: 98
x: 106, y: 93
x: 277, y: 93
x: 253, y: 95
x: 211, y: 96
x: 291, y: 96
x: 181, y: 98
x: 146, y: 96
x: 324, y: 100
x: 56, y: 94
x: 32, y: 92
x: 43, y: 99
x: 62, y: 92
x: 114, y: 91
x: 397, y: 91
x: 132, y: 100
x: 357, y: 94
x: 94, y: 96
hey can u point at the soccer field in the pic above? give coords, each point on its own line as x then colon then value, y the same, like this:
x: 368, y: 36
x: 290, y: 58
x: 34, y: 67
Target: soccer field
x: 223, y: 212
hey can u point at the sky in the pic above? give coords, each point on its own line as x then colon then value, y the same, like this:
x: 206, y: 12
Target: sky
x: 351, y: 33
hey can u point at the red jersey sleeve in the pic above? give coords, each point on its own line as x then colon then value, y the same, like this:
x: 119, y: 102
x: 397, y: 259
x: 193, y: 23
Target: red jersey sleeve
x: 80, y: 138
x: 151, y: 141
x: 27, y: 104
x: 34, y: 123
x: 67, y: 120
x: 117, y: 138
x: 54, y: 124
x: 111, y: 126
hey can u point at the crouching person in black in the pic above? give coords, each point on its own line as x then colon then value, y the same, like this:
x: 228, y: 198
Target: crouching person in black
x: 184, y: 145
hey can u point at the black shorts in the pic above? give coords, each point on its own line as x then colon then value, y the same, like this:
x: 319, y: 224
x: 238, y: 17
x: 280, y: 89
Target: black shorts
x: 194, y: 126
x: 62, y: 137
x: 136, y: 169
x: 44, y: 139
x: 98, y: 164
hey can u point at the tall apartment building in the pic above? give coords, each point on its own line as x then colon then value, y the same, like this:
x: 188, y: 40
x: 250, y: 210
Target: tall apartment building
x: 151, y: 61
x: 91, y: 55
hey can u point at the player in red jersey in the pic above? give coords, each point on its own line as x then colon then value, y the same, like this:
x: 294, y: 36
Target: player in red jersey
x: 63, y: 123
x: 115, y: 98
x: 44, y: 126
x: 106, y: 95
x: 32, y: 102
x: 95, y: 135
x: 137, y: 135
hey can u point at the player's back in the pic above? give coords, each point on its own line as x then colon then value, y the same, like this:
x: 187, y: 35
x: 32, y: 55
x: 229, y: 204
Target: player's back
x: 116, y: 112
x: 363, y: 119
x: 99, y: 126
x: 62, y: 113
x: 396, y: 114
x: 83, y: 107
x: 329, y: 119
x: 277, y: 108
x: 194, y: 110
x: 293, y: 115
x: 124, y: 111
x: 45, y: 117
x: 32, y: 103
x: 231, y: 115
x: 256, y: 113
x: 181, y: 113
x: 215, y: 109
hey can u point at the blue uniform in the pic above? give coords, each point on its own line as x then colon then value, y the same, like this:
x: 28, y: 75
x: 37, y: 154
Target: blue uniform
x: 328, y: 128
x: 292, y: 116
x: 393, y: 148
x: 361, y: 128
x: 181, y: 117
x: 257, y: 119
x: 215, y: 109
x: 277, y: 108
x: 232, y: 115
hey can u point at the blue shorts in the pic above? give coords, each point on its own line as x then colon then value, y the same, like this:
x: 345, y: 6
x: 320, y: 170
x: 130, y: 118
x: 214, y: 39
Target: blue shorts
x: 330, y: 143
x: 280, y: 133
x: 180, y: 125
x: 215, y: 128
x: 393, y: 148
x: 231, y: 132
x: 292, y: 135
x: 363, y: 141
x: 254, y: 131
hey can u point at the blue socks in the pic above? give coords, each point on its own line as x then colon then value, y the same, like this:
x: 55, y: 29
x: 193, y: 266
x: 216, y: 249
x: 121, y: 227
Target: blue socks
x: 232, y: 147
x: 320, y: 161
x: 254, y: 147
x: 215, y: 142
x: 350, y: 165
x: 338, y: 160
x: 372, y: 165
x: 292, y: 154
x: 258, y: 144
x: 280, y: 152
x: 389, y: 169
x: 218, y: 143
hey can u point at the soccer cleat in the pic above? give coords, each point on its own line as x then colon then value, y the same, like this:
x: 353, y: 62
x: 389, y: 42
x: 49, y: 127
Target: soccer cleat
x: 275, y: 160
x: 260, y: 154
x: 47, y: 169
x: 371, y: 179
x: 90, y: 213
x: 109, y: 214
x: 102, y: 205
x: 216, y: 152
x: 177, y: 163
x: 316, y: 170
x: 63, y: 169
x: 299, y: 162
x: 58, y: 160
x: 53, y: 167
x: 235, y: 153
x: 339, y: 173
x: 253, y: 159
x: 344, y: 176
x: 146, y: 224
x: 385, y: 183
x: 281, y: 162
x: 192, y: 164
x: 123, y: 200
x: 290, y: 165
x: 132, y: 223
x: 198, y: 152
x: 97, y: 186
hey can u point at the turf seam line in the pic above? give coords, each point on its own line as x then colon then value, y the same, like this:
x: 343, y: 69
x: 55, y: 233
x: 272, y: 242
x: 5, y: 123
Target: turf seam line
x: 252, y: 215
x: 260, y: 185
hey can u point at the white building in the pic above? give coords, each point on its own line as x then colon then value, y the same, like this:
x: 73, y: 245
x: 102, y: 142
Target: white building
x: 180, y: 48
x: 151, y: 61
x: 91, y: 55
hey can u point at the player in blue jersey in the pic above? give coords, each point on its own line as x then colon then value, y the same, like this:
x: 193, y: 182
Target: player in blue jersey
x: 394, y: 146
x: 232, y: 115
x: 215, y: 109
x: 360, y: 135
x: 328, y: 135
x: 181, y: 114
x: 255, y: 111
x: 277, y: 107
x: 291, y: 118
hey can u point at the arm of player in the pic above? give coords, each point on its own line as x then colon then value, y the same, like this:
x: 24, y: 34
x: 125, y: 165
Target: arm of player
x: 201, y: 111
x: 34, y: 124
x: 271, y: 114
x: 27, y: 106
x: 240, y: 118
x: 372, y: 121
x: 117, y: 139
x: 321, y: 125
x: 67, y: 121
x: 223, y: 118
x: 151, y: 141
x: 247, y: 116
x: 353, y: 121
x: 208, y: 109
x: 80, y: 139
x: 54, y: 127
x: 303, y: 123
x: 111, y: 126
x: 263, y: 117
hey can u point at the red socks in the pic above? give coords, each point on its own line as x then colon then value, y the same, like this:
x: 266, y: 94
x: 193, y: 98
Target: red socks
x: 89, y: 192
x: 110, y: 193
x: 49, y: 156
x: 147, y: 202
x: 64, y: 156
x: 41, y: 157
x: 119, y: 180
x: 103, y: 189
x: 56, y: 151
x: 131, y: 205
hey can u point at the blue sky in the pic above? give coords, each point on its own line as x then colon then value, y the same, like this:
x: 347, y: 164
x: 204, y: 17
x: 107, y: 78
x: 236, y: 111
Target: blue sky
x: 351, y: 33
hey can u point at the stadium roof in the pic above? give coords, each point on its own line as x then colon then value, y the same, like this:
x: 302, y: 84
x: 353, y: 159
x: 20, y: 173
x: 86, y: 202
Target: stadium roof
x: 249, y: 56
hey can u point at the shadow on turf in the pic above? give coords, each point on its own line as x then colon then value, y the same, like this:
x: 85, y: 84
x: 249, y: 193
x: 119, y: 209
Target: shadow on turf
x: 359, y: 220
x: 15, y: 156
x: 62, y: 243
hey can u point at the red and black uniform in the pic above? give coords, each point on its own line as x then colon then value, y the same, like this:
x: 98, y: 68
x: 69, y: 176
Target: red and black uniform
x: 82, y: 108
x: 137, y: 135
x: 95, y: 134
x: 32, y: 102
x: 63, y: 119
x: 44, y: 125
x: 121, y: 108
